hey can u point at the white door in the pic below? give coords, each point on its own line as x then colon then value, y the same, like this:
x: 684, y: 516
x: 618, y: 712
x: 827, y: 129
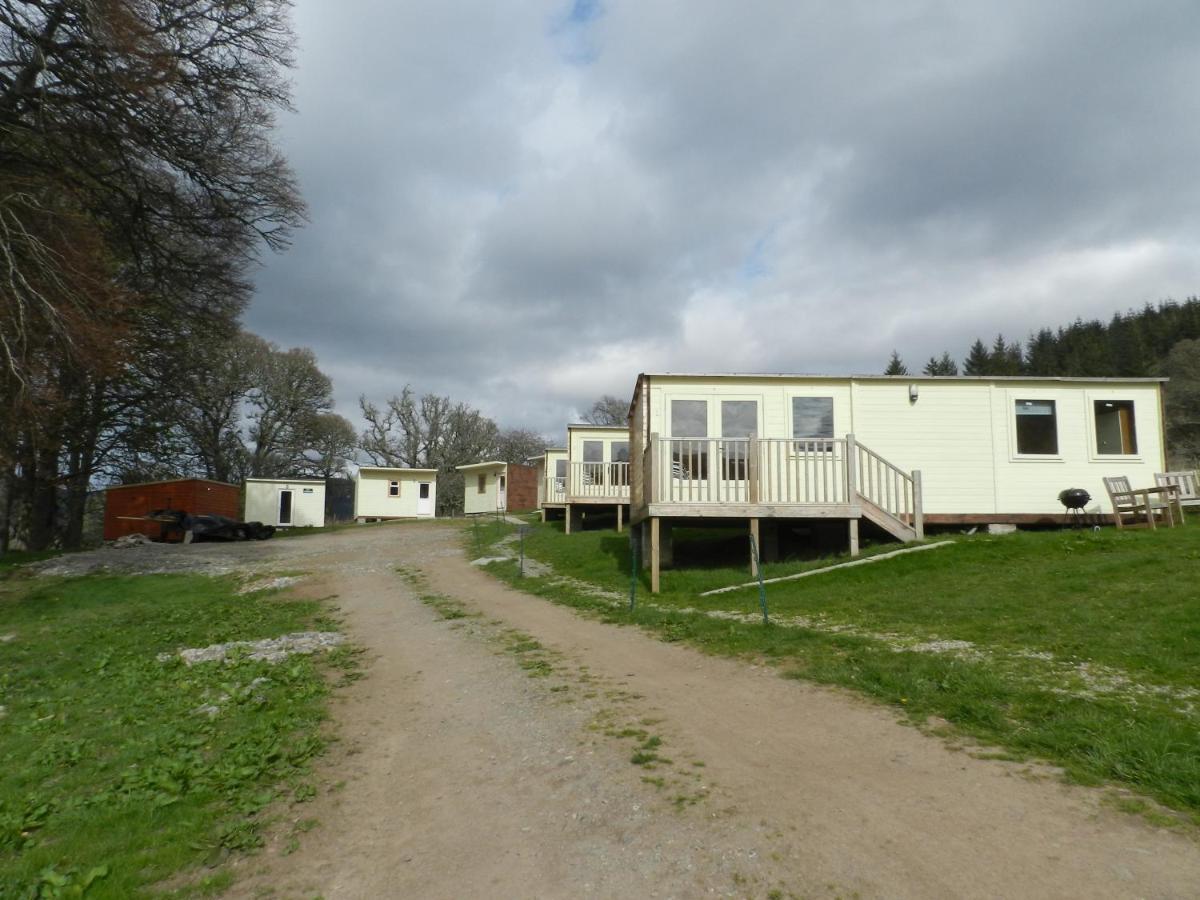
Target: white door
x: 502, y: 493
x: 424, y: 498
x: 285, y: 507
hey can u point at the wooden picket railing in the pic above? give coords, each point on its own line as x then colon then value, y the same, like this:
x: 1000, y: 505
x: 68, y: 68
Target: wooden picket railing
x: 598, y: 481
x: 784, y: 472
x: 554, y: 490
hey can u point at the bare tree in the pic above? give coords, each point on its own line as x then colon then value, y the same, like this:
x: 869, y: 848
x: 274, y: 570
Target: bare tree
x: 516, y: 445
x: 432, y: 433
x: 332, y: 442
x: 608, y: 410
x: 290, y: 391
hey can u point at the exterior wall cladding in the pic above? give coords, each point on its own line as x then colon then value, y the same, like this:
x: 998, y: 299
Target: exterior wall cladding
x: 195, y: 496
x: 522, y: 488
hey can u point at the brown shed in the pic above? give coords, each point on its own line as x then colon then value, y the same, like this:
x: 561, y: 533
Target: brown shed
x: 195, y: 496
x: 522, y: 488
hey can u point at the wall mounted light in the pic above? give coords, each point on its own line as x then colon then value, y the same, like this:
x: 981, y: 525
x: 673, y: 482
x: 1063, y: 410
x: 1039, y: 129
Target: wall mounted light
x: 912, y: 393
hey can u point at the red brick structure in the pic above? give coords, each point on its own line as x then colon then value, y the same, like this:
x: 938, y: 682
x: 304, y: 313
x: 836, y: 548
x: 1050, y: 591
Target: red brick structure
x: 195, y: 496
x: 522, y: 488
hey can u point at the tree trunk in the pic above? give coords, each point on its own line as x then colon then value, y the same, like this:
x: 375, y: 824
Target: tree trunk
x: 42, y: 490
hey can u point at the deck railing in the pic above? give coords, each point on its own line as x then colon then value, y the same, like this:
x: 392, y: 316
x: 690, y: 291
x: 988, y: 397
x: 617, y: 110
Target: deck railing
x: 889, y: 487
x: 598, y: 481
x: 554, y: 489
x: 779, y: 471
x: 749, y: 470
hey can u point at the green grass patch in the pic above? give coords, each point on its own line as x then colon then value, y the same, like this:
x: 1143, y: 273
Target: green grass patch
x: 112, y: 776
x: 1082, y: 647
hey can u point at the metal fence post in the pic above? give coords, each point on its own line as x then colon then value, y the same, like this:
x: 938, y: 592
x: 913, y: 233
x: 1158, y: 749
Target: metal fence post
x: 762, y: 588
x: 521, y: 533
x: 634, y: 542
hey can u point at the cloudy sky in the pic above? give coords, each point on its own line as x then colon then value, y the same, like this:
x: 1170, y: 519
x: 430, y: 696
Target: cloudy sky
x: 524, y: 204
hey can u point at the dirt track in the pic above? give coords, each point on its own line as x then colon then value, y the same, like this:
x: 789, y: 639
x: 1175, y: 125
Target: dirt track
x: 461, y: 776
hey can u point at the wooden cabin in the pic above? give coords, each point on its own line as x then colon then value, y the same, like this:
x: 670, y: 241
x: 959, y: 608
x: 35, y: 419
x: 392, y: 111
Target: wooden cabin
x: 597, y: 472
x: 388, y: 492
x: 900, y: 452
x: 491, y: 487
x: 551, y: 470
x: 286, y: 503
x: 124, y: 504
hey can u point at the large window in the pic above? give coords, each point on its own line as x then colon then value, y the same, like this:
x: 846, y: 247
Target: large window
x: 812, y: 419
x: 739, y: 419
x: 619, y: 472
x: 593, y: 461
x: 689, y: 420
x: 1115, y: 429
x: 1037, y: 428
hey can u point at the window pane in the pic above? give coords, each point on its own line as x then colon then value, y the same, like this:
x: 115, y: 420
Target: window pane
x: 1115, y: 429
x: 560, y: 468
x: 593, y: 451
x: 481, y: 484
x: 424, y: 491
x: 393, y: 489
x: 812, y: 417
x: 1037, y: 427
x: 620, y: 451
x: 739, y: 418
x: 689, y: 418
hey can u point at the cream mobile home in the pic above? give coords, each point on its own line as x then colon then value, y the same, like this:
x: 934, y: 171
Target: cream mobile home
x: 597, y: 472
x: 899, y: 452
x: 491, y: 487
x: 382, y: 492
x: 551, y: 480
x: 285, y: 502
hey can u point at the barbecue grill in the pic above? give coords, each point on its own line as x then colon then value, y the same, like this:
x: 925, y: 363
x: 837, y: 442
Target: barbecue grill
x: 1075, y: 499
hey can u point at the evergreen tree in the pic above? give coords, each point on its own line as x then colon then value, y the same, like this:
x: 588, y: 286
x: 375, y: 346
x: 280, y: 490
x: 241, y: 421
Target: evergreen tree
x: 978, y: 361
x: 944, y: 366
x: 895, y: 365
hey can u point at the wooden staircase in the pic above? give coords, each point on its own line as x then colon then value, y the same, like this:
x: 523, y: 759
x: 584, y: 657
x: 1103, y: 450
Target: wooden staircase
x: 887, y: 495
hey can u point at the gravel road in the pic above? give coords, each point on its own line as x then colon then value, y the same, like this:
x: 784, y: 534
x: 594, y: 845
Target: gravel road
x: 475, y: 763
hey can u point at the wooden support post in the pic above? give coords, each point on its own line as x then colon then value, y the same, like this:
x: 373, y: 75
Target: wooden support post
x: 654, y: 554
x: 854, y: 537
x: 620, y: 515
x: 918, y: 507
x: 543, y: 515
x: 851, y: 469
x: 752, y: 470
x: 754, y: 533
x: 567, y: 524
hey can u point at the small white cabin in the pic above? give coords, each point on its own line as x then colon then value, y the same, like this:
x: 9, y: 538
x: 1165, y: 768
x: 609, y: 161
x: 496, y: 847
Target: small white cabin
x: 490, y: 487
x: 286, y: 502
x: 898, y: 451
x: 385, y: 492
x: 597, y: 471
x: 552, y: 479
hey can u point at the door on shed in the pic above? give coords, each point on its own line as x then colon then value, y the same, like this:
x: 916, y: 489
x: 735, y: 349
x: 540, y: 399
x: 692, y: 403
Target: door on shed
x: 424, y: 498
x: 285, y: 507
x: 502, y: 492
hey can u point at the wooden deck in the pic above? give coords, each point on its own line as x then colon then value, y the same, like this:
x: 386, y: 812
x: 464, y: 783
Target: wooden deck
x: 756, y: 479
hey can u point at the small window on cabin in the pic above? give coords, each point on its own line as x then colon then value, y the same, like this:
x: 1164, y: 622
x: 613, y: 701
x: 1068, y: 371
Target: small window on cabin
x: 1037, y: 428
x: 619, y: 476
x: 689, y: 444
x: 812, y: 419
x: 481, y: 485
x: 560, y: 468
x: 1116, y: 433
x: 393, y: 489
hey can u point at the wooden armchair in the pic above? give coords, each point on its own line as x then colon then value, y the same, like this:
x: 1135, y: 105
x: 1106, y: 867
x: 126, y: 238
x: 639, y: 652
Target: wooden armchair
x: 1142, y: 503
x: 1188, y: 484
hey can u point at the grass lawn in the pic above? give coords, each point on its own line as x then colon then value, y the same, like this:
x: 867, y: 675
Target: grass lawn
x: 112, y: 777
x: 1075, y: 647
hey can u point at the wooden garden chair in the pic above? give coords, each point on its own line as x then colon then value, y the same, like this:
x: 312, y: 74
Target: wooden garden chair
x: 1147, y: 503
x: 1188, y: 484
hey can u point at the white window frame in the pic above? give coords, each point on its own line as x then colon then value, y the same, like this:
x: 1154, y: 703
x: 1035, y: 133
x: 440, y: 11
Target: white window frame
x: 396, y: 485
x: 1089, y: 412
x: 1011, y: 396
